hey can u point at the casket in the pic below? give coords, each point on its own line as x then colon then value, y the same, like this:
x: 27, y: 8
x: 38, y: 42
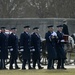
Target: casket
x: 65, y: 37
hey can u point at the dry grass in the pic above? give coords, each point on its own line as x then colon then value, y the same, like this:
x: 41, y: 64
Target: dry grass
x: 38, y: 72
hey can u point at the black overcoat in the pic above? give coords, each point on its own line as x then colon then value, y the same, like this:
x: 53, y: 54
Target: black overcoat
x: 3, y: 46
x: 25, y: 44
x: 60, y: 46
x: 50, y: 46
x: 36, y: 44
x: 13, y: 44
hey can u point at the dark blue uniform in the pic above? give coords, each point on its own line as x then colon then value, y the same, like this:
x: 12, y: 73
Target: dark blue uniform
x: 65, y: 29
x: 50, y: 49
x: 13, y: 45
x: 3, y: 49
x: 61, y: 55
x: 36, y: 43
x: 25, y: 41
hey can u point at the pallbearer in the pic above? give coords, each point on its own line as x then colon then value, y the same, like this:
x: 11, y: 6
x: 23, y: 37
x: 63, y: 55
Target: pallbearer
x: 65, y: 27
x: 61, y: 55
x: 36, y: 44
x: 13, y: 48
x: 25, y: 44
x: 51, y: 37
x: 3, y: 48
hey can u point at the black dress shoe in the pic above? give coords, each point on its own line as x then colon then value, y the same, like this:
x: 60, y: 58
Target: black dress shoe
x: 5, y: 68
x: 49, y: 68
x: 53, y: 68
x: 0, y: 68
x: 30, y: 68
x: 58, y: 68
x: 17, y: 68
x: 63, y: 68
x: 34, y: 68
x: 23, y: 68
x: 11, y: 68
x: 41, y: 67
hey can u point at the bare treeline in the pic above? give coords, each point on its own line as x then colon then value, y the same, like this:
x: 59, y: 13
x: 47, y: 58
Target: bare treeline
x: 37, y: 8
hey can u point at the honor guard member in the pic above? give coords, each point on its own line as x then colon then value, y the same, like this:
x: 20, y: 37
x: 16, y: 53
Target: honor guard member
x: 65, y: 28
x: 61, y: 55
x: 3, y: 47
x: 13, y: 48
x: 25, y: 44
x: 36, y: 44
x: 50, y: 37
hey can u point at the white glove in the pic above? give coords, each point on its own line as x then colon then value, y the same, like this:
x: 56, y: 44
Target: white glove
x: 54, y: 34
x: 33, y: 49
x: 62, y: 40
x: 22, y: 50
x: 11, y: 49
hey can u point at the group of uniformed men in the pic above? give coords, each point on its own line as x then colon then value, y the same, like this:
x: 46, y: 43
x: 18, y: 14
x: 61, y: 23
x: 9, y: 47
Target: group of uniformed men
x: 54, y: 43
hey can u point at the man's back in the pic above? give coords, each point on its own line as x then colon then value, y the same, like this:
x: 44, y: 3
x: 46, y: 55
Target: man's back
x: 65, y: 29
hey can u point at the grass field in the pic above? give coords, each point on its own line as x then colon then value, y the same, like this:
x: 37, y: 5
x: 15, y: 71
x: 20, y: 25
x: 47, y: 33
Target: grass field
x: 38, y: 72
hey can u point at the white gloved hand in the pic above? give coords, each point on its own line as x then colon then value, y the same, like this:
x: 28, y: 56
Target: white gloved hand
x: 62, y: 40
x: 54, y: 34
x: 22, y: 50
x: 33, y: 49
x: 11, y: 49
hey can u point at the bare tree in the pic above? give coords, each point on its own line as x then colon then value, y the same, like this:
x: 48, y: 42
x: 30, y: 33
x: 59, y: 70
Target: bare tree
x: 8, y: 7
x: 37, y: 8
x: 54, y: 8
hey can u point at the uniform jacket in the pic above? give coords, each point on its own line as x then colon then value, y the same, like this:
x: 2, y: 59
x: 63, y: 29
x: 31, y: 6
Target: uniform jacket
x: 65, y: 29
x: 50, y: 46
x: 3, y: 46
x: 25, y: 43
x: 60, y: 46
x: 36, y: 44
x: 13, y: 44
